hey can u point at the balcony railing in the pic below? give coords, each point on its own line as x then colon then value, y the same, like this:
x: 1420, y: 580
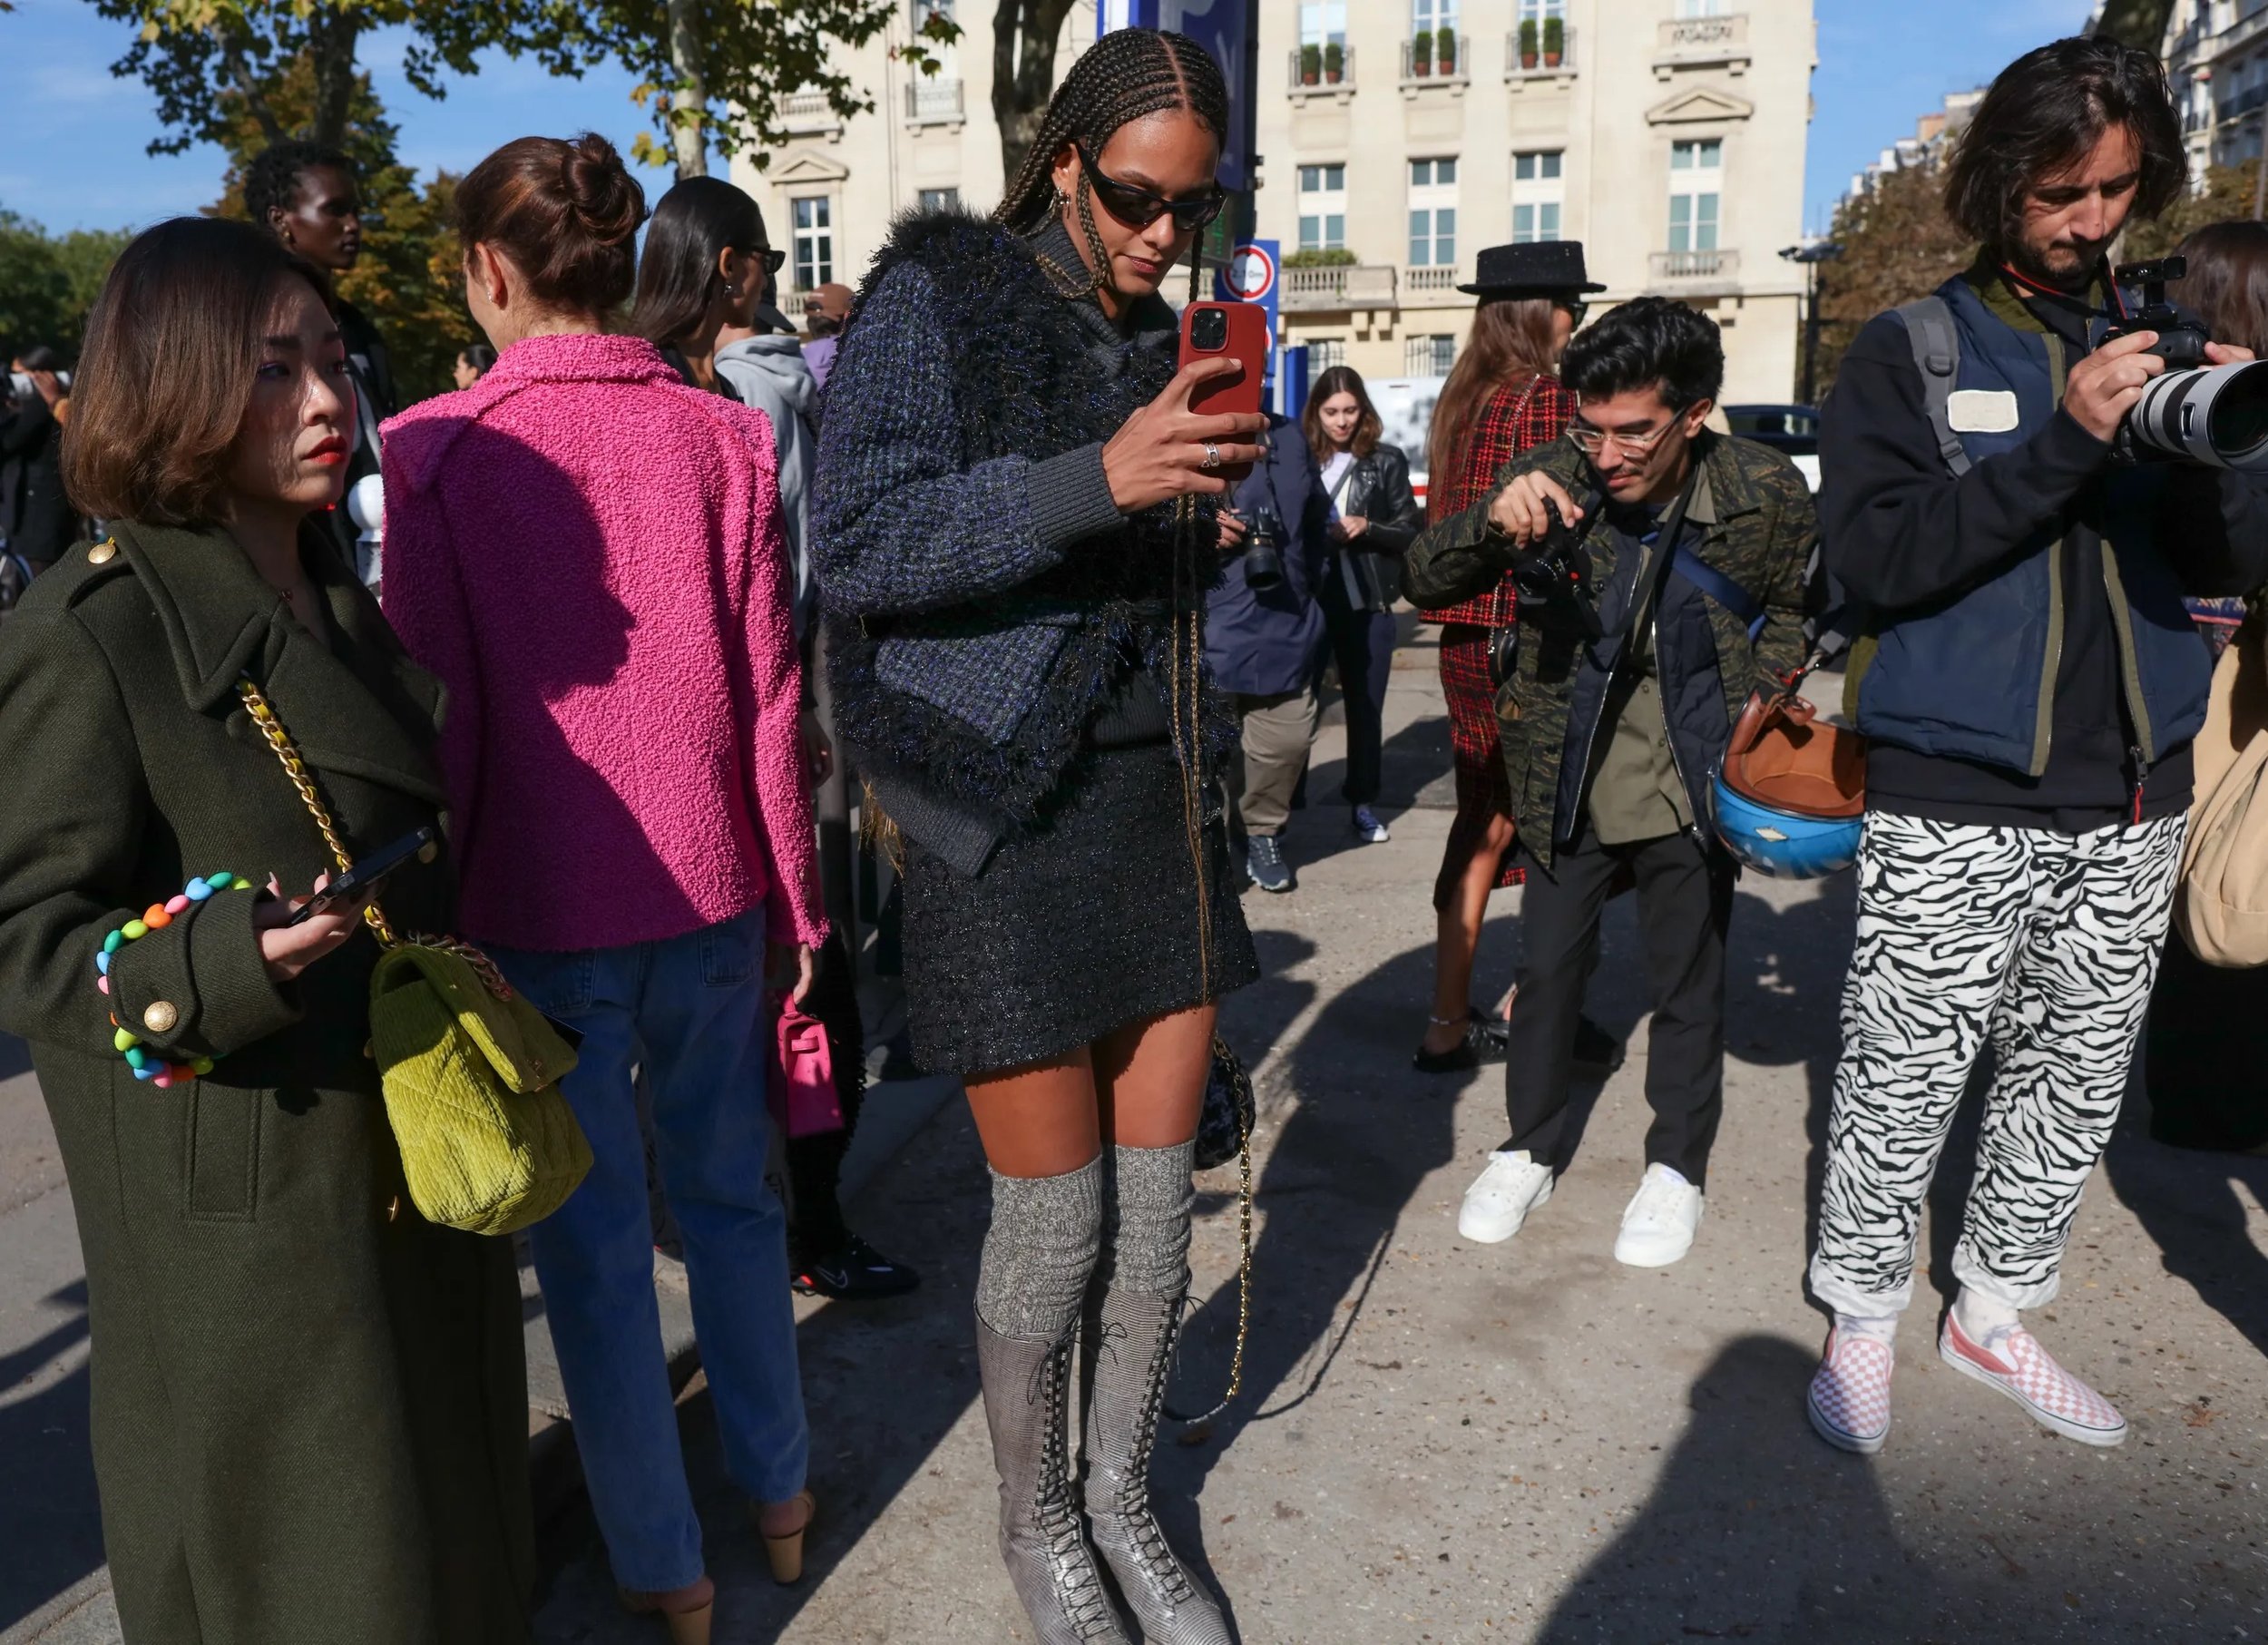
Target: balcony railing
x: 1428, y: 277
x: 1430, y: 69
x: 1347, y: 286
x: 1675, y: 266
x: 1690, y: 41
x: 1520, y: 65
x: 808, y: 111
x: 1311, y: 77
x: 933, y: 101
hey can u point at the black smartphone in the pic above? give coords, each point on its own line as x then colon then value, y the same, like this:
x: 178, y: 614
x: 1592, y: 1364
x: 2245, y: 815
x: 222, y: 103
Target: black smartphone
x: 365, y: 875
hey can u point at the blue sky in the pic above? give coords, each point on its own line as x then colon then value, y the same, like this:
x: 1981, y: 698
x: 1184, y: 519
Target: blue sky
x: 72, y: 138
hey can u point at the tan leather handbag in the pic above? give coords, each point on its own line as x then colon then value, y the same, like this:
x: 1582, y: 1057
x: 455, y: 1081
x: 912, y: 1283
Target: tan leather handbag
x: 1781, y: 756
x: 2221, y: 906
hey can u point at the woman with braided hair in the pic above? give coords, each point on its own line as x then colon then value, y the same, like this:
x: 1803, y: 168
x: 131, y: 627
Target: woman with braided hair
x: 1013, y: 524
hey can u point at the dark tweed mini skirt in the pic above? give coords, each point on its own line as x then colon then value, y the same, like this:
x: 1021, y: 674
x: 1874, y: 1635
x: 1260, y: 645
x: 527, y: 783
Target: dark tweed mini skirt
x: 1070, y: 932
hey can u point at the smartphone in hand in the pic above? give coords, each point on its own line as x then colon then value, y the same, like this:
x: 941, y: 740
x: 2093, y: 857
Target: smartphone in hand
x: 365, y: 875
x: 1238, y: 331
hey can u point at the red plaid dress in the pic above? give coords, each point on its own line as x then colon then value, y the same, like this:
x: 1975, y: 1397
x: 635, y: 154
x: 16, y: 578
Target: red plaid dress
x: 1519, y: 416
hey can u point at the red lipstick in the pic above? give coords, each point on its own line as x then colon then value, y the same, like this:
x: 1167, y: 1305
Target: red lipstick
x: 331, y: 453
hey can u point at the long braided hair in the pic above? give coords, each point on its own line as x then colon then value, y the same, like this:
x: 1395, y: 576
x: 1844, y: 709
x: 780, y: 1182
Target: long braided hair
x: 1127, y: 74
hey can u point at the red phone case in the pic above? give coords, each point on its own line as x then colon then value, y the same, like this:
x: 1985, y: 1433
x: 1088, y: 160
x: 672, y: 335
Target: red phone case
x: 1247, y: 341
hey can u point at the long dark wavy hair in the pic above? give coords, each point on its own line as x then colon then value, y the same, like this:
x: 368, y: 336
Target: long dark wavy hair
x: 695, y: 221
x: 1510, y: 343
x: 2044, y: 112
x: 1128, y: 74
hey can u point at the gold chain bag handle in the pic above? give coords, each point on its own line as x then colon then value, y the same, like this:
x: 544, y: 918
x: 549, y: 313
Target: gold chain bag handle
x: 470, y: 1071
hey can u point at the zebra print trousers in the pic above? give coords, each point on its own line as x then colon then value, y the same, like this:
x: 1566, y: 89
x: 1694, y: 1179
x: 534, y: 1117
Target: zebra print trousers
x: 2048, y: 942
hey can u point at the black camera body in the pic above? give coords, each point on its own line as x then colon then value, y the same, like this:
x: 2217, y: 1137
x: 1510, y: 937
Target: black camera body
x: 1263, y: 551
x: 2181, y: 342
x: 1553, y: 576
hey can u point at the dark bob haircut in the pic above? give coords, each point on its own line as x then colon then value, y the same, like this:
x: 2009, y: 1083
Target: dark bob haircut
x: 565, y: 211
x: 695, y: 222
x: 172, y: 347
x: 2045, y: 111
x: 1648, y: 342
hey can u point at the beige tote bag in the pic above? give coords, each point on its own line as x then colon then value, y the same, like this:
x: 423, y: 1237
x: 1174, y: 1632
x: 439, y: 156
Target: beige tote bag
x: 2221, y: 907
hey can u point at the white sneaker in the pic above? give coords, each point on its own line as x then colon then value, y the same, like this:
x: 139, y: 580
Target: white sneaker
x: 1501, y: 1196
x: 1658, y: 1225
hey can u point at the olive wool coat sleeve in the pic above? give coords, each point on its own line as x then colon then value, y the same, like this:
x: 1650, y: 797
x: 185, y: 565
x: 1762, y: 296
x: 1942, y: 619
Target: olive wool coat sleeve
x: 899, y: 523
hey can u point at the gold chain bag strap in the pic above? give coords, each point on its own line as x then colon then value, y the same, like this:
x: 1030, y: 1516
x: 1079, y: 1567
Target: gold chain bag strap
x: 470, y: 1070
x: 1227, y: 1114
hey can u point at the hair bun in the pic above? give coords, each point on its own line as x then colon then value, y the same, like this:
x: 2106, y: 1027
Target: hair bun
x: 602, y: 194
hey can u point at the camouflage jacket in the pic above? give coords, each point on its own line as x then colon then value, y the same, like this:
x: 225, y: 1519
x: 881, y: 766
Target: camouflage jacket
x: 1757, y: 529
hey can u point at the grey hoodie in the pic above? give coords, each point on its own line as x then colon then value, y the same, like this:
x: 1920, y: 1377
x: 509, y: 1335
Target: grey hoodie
x: 769, y: 373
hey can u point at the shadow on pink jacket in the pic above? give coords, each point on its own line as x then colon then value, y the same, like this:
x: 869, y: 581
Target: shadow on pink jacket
x: 589, y: 553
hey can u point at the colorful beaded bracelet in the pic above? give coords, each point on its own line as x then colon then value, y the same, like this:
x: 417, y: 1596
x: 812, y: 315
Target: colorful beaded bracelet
x: 156, y: 917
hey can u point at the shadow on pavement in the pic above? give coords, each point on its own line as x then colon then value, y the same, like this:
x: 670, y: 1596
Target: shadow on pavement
x: 50, y: 1522
x: 2187, y: 1201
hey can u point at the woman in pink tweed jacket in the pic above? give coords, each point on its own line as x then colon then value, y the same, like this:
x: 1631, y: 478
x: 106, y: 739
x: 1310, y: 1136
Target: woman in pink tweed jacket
x: 589, y: 556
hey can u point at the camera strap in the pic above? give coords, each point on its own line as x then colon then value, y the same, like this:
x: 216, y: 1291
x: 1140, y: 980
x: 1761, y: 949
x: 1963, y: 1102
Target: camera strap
x: 1647, y: 587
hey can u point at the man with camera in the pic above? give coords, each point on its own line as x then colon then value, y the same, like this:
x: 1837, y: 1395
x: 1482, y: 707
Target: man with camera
x: 1264, y: 638
x: 1660, y: 569
x: 2029, y: 684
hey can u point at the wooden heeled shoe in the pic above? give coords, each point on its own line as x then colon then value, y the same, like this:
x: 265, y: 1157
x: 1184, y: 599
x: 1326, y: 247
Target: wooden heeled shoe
x: 786, y: 1551
x: 689, y: 1611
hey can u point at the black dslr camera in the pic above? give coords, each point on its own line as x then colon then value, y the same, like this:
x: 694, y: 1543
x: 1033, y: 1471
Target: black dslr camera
x: 2181, y: 342
x: 1263, y: 551
x: 1553, y: 575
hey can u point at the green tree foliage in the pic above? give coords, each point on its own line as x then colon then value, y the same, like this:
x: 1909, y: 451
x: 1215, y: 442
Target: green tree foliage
x: 710, y: 72
x: 2136, y: 22
x: 409, y: 277
x: 1897, y: 245
x: 48, y: 283
x: 2227, y: 195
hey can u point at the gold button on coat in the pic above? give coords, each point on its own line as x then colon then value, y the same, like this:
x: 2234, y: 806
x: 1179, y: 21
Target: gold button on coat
x: 103, y: 552
x: 161, y: 1016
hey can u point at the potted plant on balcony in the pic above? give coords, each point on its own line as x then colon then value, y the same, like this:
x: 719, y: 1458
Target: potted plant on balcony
x: 1422, y: 52
x: 1445, y: 49
x: 1334, y: 63
x: 1310, y: 65
x: 1554, y: 41
x: 1527, y: 43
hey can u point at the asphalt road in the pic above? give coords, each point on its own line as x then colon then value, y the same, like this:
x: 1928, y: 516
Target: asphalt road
x: 1444, y: 1442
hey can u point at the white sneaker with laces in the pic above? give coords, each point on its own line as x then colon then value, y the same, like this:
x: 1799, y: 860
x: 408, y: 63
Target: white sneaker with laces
x: 1658, y: 1225
x: 1501, y: 1196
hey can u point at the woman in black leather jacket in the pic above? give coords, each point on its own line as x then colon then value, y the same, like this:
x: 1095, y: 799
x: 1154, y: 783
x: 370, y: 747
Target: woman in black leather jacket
x: 1374, y: 517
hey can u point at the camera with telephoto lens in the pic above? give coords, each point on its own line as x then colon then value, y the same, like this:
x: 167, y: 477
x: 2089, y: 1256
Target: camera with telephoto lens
x: 2192, y: 412
x: 1263, y: 551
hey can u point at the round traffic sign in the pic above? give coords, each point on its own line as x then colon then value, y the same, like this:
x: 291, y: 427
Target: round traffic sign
x: 1251, y: 273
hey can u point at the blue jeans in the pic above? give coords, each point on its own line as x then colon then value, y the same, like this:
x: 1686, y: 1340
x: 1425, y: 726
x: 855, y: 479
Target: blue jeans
x: 691, y: 1009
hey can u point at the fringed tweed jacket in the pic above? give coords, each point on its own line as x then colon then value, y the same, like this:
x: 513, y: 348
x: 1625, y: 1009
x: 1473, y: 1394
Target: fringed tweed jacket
x: 986, y: 600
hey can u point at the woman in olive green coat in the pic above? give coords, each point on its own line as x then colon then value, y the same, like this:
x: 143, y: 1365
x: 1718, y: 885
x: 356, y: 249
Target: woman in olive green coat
x: 310, y: 1405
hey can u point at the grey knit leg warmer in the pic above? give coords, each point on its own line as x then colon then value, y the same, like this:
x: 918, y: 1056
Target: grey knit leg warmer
x: 1040, y: 1251
x: 1146, y: 1220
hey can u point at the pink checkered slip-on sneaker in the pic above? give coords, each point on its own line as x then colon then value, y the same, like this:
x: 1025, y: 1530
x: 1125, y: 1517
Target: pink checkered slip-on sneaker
x: 1848, y: 1399
x: 2023, y: 1371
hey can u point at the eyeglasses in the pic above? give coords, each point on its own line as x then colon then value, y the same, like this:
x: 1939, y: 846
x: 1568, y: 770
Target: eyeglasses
x: 1592, y: 441
x: 772, y: 258
x: 1577, y: 307
x: 1139, y: 208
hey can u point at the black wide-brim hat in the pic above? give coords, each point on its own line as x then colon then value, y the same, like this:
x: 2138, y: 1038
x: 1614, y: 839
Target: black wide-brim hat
x: 1542, y: 268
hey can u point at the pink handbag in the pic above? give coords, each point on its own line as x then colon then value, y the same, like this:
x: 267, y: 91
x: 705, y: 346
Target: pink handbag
x: 802, y: 1089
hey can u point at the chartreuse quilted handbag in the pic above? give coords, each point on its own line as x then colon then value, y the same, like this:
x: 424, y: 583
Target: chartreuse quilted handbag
x: 470, y: 1069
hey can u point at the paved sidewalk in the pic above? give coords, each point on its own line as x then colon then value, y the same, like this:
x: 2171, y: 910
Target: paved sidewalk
x: 1443, y: 1442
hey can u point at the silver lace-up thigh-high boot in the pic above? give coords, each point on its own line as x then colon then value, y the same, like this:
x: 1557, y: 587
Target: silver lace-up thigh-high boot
x: 1130, y: 1344
x: 1132, y: 1319
x: 1028, y: 1406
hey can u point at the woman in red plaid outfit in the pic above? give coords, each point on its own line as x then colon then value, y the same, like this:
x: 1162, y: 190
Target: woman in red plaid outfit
x: 1501, y: 398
